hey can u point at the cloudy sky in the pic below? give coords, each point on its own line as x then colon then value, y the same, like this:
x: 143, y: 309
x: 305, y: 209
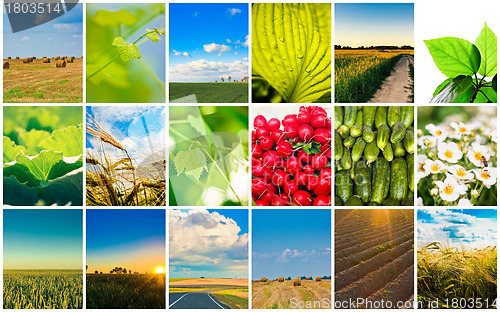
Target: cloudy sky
x: 209, y: 243
x: 61, y: 36
x: 208, y: 41
x: 469, y: 228
x: 291, y: 242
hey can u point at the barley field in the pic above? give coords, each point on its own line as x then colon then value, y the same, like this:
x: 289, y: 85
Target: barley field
x: 42, y: 289
x: 359, y: 73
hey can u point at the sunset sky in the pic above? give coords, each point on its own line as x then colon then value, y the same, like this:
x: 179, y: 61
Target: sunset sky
x: 129, y: 238
x: 42, y: 239
x: 367, y: 24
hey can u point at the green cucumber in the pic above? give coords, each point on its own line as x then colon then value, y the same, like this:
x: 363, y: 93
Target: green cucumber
x: 368, y: 134
x: 410, y: 160
x: 352, y: 173
x: 381, y: 116
x: 371, y: 152
x: 350, y: 114
x: 339, y: 117
x: 383, y: 134
x: 343, y: 131
x: 354, y: 201
x: 343, y: 185
x: 390, y: 202
x: 356, y: 129
x: 338, y: 201
x: 393, y: 115
x: 407, y: 115
x: 357, y: 149
x: 345, y: 161
x: 380, y: 180
x: 363, y: 181
x: 339, y: 147
x: 399, y: 179
x: 349, y: 142
x: 388, y: 153
x: 369, y: 115
x: 408, y: 142
x: 407, y: 202
x: 373, y: 204
x: 398, y: 132
x: 398, y: 149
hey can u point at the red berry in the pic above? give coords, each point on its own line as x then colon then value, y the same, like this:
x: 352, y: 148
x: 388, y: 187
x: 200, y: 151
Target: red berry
x: 278, y: 201
x: 277, y: 136
x: 280, y: 178
x: 256, y: 151
x: 293, y: 165
x: 291, y: 187
x: 302, y: 198
x: 268, y: 174
x: 304, y: 157
x: 260, y: 132
x: 259, y: 186
x: 267, y: 196
x: 323, y: 187
x: 266, y: 142
x: 321, y: 135
x: 258, y: 170
x: 292, y: 130
x: 325, y: 173
x: 289, y: 119
x: 305, y: 132
x: 319, y: 161
x: 284, y: 149
x: 321, y: 201
x: 300, y: 178
x: 273, y: 124
x: 271, y: 159
x: 308, y: 169
x: 260, y: 121
x: 303, y: 118
x: 261, y: 202
x: 319, y: 121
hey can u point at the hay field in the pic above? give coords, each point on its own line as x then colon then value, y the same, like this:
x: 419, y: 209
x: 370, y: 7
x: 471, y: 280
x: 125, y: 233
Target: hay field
x: 39, y: 82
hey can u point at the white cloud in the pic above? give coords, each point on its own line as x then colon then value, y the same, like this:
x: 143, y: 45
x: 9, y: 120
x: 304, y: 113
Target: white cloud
x: 233, y: 11
x: 186, y: 54
x: 178, y: 53
x: 228, y: 41
x: 302, y: 255
x: 246, y: 43
x: 213, y: 47
x: 245, y: 58
x: 65, y: 27
x: 203, y: 70
x: 25, y: 38
x: 77, y: 36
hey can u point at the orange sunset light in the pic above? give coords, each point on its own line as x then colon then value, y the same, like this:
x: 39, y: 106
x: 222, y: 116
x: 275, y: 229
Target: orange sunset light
x: 160, y: 270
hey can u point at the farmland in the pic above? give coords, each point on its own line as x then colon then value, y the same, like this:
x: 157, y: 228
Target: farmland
x: 43, y: 289
x: 360, y: 73
x: 211, y: 92
x: 279, y: 295
x: 374, y: 256
x: 38, y: 82
x: 125, y: 291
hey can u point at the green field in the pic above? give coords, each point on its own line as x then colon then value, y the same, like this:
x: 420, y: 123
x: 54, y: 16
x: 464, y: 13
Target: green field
x: 42, y: 289
x: 210, y: 92
x: 125, y: 291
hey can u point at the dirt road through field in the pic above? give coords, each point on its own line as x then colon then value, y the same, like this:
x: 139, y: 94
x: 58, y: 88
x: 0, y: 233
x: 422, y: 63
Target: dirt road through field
x: 395, y: 87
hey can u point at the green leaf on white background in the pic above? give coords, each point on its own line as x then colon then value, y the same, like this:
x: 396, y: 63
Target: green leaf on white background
x: 460, y: 88
x: 191, y: 162
x: 454, y: 56
x: 486, y: 43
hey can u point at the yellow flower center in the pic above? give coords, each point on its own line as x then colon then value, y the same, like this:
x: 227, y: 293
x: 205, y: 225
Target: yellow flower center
x: 461, y: 172
x: 485, y: 175
x: 435, y: 167
x: 448, y: 189
x: 478, y: 155
x: 448, y: 154
x: 462, y: 130
x: 438, y: 133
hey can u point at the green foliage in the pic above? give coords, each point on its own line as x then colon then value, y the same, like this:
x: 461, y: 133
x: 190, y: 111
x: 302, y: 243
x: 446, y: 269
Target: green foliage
x: 461, y: 61
x: 43, y: 156
x: 127, y: 51
x: 191, y: 162
x: 211, y: 92
x: 291, y: 50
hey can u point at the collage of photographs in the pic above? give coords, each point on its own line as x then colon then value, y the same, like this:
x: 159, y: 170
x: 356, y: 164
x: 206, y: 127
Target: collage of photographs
x: 205, y: 129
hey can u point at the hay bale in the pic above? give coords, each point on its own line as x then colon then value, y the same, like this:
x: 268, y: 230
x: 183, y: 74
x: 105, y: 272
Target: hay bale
x: 296, y: 282
x: 64, y: 57
x: 5, y: 65
x: 263, y: 279
x: 70, y: 60
x: 57, y: 57
x: 61, y: 63
x: 34, y: 57
x: 26, y: 60
x: 17, y: 57
x: 318, y: 279
x: 309, y: 278
x: 281, y: 279
x: 46, y: 60
x: 9, y: 58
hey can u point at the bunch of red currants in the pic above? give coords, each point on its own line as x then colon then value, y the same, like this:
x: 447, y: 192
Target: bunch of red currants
x: 291, y: 159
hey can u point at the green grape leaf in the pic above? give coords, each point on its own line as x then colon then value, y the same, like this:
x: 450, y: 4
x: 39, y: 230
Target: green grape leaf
x: 191, y: 162
x: 441, y: 86
x: 106, y: 18
x: 18, y: 194
x: 152, y: 35
x: 486, y: 43
x: 494, y: 83
x: 31, y: 139
x: 457, y: 87
x: 64, y: 190
x: 69, y: 141
x: 10, y: 150
x: 291, y: 49
x: 127, y: 50
x: 197, y: 123
x: 454, y: 56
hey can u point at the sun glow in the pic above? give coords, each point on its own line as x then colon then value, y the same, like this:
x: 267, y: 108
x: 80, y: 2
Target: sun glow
x: 160, y: 270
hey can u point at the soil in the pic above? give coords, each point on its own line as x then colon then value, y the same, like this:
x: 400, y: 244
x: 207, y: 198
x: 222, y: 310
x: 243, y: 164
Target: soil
x: 395, y: 87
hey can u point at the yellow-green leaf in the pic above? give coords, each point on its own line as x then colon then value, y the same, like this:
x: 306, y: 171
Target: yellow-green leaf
x: 127, y: 50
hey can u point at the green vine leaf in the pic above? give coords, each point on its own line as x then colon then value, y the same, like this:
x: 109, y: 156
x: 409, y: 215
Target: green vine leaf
x: 486, y: 43
x: 197, y: 123
x: 454, y: 56
x: 152, y: 35
x: 291, y: 49
x: 191, y: 162
x: 127, y: 51
x: 459, y: 88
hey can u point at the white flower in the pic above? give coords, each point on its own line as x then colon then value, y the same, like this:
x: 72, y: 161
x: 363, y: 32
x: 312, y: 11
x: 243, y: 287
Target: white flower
x: 474, y: 193
x: 494, y: 136
x: 422, y: 172
x: 460, y: 173
x: 476, y: 154
x: 419, y: 201
x: 427, y: 141
x: 434, y: 166
x: 464, y: 202
x: 449, y: 152
x: 461, y: 128
x: 434, y: 191
x: 450, y: 189
x: 437, y: 131
x: 487, y: 175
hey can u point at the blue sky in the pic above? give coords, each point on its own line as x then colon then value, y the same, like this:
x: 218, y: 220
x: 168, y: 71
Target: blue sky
x: 291, y: 242
x: 62, y: 36
x: 208, y: 41
x: 209, y: 243
x: 468, y: 228
x: 366, y: 24
x: 130, y: 238
x: 43, y: 239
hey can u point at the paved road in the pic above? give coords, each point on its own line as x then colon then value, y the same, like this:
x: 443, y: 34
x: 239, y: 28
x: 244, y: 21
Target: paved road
x: 194, y: 300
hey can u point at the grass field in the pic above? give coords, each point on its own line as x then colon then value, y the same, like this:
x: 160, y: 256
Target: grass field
x: 234, y: 298
x: 359, y: 73
x: 211, y: 92
x: 125, y: 291
x: 39, y: 82
x: 42, y: 289
x: 445, y: 273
